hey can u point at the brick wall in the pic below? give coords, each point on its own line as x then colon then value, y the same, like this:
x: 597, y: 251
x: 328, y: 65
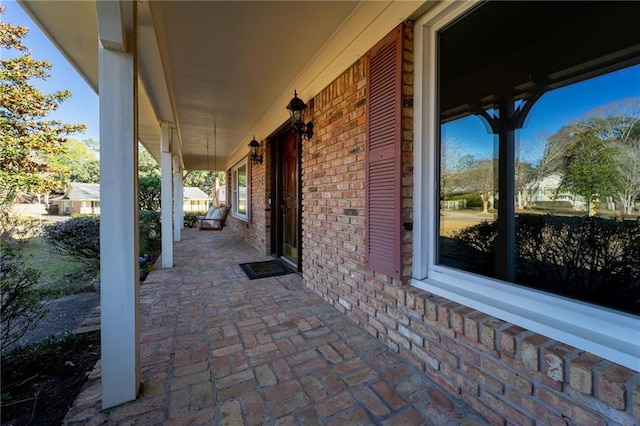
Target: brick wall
x: 257, y: 230
x: 508, y: 374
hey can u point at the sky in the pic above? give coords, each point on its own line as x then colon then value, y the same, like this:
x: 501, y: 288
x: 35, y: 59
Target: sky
x: 82, y: 106
x: 552, y: 111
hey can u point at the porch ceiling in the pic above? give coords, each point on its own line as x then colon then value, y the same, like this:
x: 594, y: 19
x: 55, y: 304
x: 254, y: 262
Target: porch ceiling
x: 232, y: 64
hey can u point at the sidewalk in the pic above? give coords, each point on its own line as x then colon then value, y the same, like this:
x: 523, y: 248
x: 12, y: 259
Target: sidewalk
x: 218, y: 349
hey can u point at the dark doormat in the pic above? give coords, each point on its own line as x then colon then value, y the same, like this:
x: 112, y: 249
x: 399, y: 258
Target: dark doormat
x: 270, y: 268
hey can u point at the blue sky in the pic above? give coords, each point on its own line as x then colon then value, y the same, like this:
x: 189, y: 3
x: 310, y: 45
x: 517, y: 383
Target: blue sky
x: 552, y: 111
x: 82, y: 106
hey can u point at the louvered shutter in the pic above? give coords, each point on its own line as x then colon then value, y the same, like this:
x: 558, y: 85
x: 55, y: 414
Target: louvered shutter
x: 383, y: 164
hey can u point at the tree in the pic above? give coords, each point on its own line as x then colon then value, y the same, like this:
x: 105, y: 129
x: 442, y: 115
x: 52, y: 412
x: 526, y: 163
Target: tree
x: 149, y: 185
x: 27, y: 138
x: 479, y: 176
x: 78, y: 164
x: 590, y: 168
x: 203, y: 179
x: 26, y: 141
x: 619, y: 124
x: 628, y: 159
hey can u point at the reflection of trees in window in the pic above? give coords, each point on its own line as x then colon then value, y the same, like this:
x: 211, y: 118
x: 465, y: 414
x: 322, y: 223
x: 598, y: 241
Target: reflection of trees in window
x: 240, y: 196
x: 539, y: 233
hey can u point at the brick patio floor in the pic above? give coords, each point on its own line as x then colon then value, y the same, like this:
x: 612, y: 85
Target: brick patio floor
x: 220, y: 349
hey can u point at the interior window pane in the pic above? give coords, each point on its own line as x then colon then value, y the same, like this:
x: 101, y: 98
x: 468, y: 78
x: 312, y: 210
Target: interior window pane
x: 242, y: 189
x: 539, y: 155
x: 468, y: 178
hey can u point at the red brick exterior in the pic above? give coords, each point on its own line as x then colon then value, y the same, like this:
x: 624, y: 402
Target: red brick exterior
x: 508, y: 374
x: 257, y: 230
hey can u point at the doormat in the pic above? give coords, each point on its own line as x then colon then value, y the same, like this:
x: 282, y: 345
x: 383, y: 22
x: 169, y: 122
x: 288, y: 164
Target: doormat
x: 270, y: 268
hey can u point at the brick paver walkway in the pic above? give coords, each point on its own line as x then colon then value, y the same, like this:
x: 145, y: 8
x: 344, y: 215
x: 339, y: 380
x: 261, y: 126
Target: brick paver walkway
x: 219, y: 349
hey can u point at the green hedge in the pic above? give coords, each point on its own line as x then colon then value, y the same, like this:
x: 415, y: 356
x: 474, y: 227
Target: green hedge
x: 590, y: 258
x: 473, y: 199
x: 80, y: 236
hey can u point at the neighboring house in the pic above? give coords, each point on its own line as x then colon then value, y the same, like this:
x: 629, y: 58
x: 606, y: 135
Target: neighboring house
x: 84, y: 198
x: 81, y: 198
x: 195, y: 199
x: 354, y: 206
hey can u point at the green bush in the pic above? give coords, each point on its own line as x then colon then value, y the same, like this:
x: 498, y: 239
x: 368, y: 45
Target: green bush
x: 78, y: 237
x: 553, y: 206
x: 589, y: 258
x: 473, y: 199
x: 150, y: 231
x: 21, y: 309
x: 191, y: 219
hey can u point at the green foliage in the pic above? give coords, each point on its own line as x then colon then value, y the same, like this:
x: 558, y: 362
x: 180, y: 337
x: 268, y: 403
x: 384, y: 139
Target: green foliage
x: 150, y: 233
x: 203, y: 179
x: 473, y: 200
x: 555, y: 206
x: 146, y: 163
x: 27, y: 140
x: 149, y: 192
x: 78, y: 237
x: 149, y: 185
x: 588, y: 258
x: 590, y: 168
x: 20, y: 307
x: 191, y: 218
x: 59, y: 275
x: 78, y: 164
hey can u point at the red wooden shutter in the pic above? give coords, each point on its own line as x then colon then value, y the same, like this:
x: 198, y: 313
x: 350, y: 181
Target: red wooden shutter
x: 383, y: 165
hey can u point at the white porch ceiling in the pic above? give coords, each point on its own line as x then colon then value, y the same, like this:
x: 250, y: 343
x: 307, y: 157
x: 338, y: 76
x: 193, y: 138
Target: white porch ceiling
x: 232, y: 64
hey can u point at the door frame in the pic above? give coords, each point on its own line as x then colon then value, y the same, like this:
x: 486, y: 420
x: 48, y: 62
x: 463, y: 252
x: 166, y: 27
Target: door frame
x: 276, y: 196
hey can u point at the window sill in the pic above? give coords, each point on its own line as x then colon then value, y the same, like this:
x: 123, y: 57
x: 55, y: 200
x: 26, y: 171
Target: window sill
x: 242, y: 218
x: 603, y: 332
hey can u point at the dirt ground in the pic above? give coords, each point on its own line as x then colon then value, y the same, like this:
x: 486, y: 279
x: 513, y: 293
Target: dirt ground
x: 39, y: 387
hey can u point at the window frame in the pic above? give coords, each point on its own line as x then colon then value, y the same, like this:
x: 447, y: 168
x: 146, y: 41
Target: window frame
x: 235, y: 190
x: 604, y: 332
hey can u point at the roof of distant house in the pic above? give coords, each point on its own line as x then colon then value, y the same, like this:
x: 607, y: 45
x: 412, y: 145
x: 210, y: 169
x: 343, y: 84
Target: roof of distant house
x: 78, y: 191
x: 194, y: 193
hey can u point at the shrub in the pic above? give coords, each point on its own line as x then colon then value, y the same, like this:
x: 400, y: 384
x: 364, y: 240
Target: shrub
x: 150, y: 232
x: 473, y: 199
x: 555, y: 206
x: 20, y: 309
x: 78, y: 237
x: 191, y: 219
x: 589, y: 258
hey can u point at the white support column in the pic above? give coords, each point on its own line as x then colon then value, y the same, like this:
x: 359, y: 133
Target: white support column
x: 119, y: 227
x: 166, y: 195
x: 178, y: 206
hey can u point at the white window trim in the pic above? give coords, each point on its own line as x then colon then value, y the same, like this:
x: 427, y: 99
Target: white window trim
x: 604, y: 332
x: 234, y: 180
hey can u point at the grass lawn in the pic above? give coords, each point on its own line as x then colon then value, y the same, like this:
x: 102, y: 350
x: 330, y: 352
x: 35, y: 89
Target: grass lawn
x: 60, y: 275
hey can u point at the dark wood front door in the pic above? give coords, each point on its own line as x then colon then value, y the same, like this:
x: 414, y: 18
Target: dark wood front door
x: 286, y: 241
x: 290, y: 199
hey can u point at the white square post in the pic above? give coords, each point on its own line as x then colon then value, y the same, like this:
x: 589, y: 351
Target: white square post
x: 166, y: 194
x: 119, y: 227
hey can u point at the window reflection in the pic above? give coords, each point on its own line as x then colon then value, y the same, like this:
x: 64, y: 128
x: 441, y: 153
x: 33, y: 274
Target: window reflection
x: 564, y: 159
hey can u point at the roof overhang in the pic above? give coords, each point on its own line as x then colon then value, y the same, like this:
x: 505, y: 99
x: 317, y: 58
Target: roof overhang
x: 231, y: 66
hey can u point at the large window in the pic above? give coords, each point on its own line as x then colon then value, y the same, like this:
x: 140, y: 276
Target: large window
x: 240, y: 198
x: 534, y: 138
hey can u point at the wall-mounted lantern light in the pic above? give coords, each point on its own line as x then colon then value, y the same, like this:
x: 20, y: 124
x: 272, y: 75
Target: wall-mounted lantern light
x: 296, y: 110
x: 254, y: 145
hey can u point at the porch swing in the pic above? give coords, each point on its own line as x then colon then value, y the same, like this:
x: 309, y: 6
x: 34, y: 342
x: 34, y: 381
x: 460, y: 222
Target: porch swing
x: 216, y: 216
